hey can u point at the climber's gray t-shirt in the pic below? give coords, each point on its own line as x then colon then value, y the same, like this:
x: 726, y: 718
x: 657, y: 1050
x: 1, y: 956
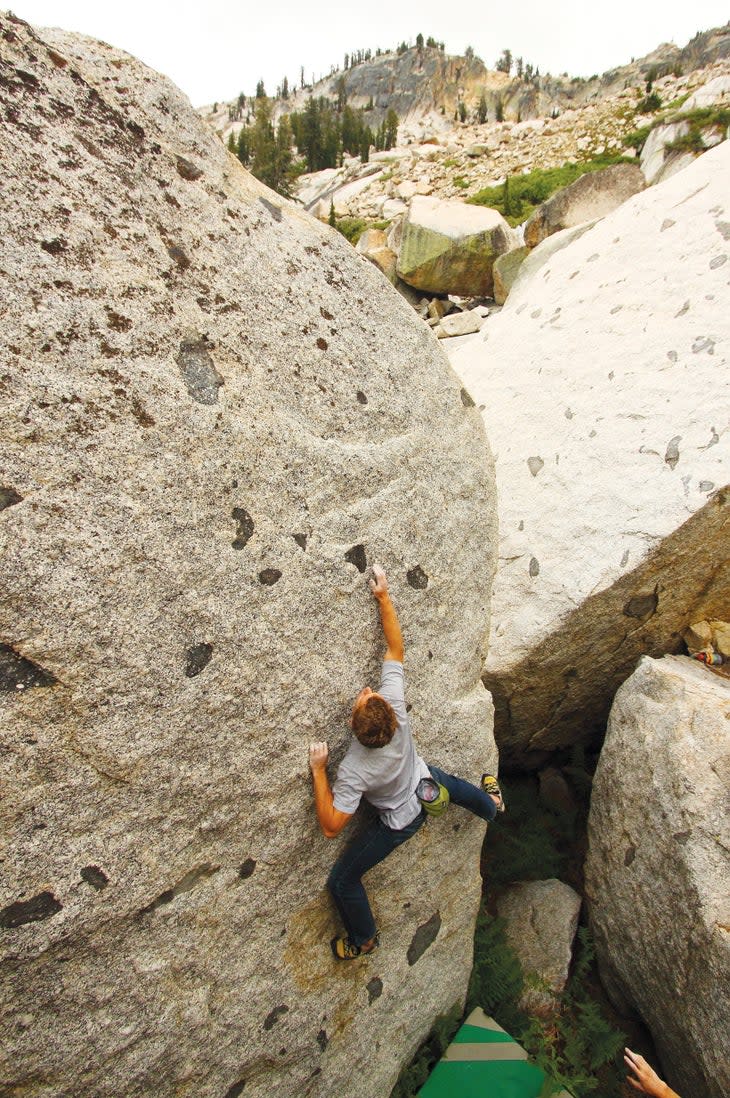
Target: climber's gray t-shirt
x: 385, y: 776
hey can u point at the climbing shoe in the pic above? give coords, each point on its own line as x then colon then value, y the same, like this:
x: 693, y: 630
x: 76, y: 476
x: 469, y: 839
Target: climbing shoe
x: 491, y: 785
x: 345, y: 950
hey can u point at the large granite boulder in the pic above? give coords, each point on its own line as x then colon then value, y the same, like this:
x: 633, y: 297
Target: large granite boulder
x: 538, y: 256
x: 657, y: 158
x: 506, y: 269
x: 211, y: 427
x: 604, y: 387
x: 373, y: 244
x: 541, y: 920
x: 592, y: 196
x: 657, y: 877
x: 448, y: 247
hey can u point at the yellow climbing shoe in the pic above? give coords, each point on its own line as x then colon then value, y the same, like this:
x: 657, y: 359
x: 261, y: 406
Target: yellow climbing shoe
x: 345, y: 949
x: 491, y: 785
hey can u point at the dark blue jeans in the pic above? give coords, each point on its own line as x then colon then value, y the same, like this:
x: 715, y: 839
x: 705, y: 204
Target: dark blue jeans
x: 376, y: 843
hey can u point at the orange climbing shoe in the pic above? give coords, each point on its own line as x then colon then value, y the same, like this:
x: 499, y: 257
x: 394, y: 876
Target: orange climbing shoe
x: 491, y: 785
x: 345, y: 950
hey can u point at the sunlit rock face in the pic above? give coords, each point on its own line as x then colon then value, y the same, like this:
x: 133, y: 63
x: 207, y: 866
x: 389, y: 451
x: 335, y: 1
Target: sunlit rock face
x: 212, y: 426
x: 603, y: 386
x: 657, y: 866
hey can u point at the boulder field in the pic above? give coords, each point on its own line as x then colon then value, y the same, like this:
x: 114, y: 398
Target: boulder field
x: 603, y: 386
x: 211, y: 429
x: 657, y: 866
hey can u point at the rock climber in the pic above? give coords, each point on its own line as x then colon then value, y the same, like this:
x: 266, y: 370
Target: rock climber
x: 644, y: 1078
x: 382, y: 766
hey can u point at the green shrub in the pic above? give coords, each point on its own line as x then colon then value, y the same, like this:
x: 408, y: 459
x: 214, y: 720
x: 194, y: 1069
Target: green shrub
x: 352, y: 228
x: 636, y: 139
x: 577, y: 1048
x: 649, y: 104
x: 461, y: 181
x: 700, y: 120
x: 527, y: 192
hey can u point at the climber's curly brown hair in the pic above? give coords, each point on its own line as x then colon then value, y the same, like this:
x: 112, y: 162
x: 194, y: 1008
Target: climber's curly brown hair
x: 374, y: 722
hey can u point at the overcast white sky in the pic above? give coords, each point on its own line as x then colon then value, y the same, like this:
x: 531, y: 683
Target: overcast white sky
x: 213, y: 49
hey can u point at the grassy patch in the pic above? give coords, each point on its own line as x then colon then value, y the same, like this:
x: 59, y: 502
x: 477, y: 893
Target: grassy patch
x: 699, y: 121
x: 352, y: 228
x: 636, y: 139
x: 521, y: 194
x: 461, y: 181
x: 704, y: 118
x: 451, y: 162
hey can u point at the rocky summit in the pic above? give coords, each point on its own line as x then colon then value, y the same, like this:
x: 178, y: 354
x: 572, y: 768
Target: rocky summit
x: 211, y: 428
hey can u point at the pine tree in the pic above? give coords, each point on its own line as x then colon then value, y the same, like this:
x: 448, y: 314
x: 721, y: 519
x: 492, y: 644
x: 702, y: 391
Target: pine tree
x: 332, y: 219
x: 505, y: 62
x: 285, y: 88
x: 419, y: 41
x: 232, y: 147
x: 482, y: 110
x: 243, y: 148
x: 263, y: 144
x: 260, y: 91
x: 462, y: 110
x: 391, y: 129
x: 283, y: 175
x: 499, y: 111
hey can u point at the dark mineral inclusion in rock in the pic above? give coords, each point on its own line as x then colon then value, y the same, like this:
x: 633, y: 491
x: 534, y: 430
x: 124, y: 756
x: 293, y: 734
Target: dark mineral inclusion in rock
x: 199, y: 374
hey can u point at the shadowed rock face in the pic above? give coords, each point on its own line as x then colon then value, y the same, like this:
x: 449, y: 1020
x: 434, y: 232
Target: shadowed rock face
x: 657, y: 869
x: 211, y: 428
x: 602, y: 384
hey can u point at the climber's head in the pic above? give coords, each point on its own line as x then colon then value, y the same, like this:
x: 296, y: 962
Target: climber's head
x: 373, y: 719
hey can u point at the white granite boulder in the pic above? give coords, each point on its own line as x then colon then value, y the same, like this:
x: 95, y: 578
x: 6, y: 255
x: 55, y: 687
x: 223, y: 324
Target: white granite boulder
x: 506, y: 269
x: 211, y: 428
x: 658, y: 868
x: 448, y: 247
x: 459, y: 324
x: 604, y: 386
x: 541, y: 920
x: 592, y: 196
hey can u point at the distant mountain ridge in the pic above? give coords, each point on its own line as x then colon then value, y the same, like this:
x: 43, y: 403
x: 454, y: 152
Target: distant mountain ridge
x: 427, y: 87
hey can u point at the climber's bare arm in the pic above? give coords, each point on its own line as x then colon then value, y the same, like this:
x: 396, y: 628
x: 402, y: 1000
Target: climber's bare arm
x: 331, y: 820
x: 388, y: 615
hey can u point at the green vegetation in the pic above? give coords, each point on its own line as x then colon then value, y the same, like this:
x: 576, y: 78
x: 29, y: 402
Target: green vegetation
x: 636, y: 139
x: 704, y: 118
x: 700, y: 120
x: 352, y: 228
x: 578, y: 1048
x: 517, y: 197
x: 461, y: 181
x: 649, y: 104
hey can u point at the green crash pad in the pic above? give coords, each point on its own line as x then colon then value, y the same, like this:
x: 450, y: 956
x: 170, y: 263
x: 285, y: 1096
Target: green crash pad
x: 483, y: 1061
